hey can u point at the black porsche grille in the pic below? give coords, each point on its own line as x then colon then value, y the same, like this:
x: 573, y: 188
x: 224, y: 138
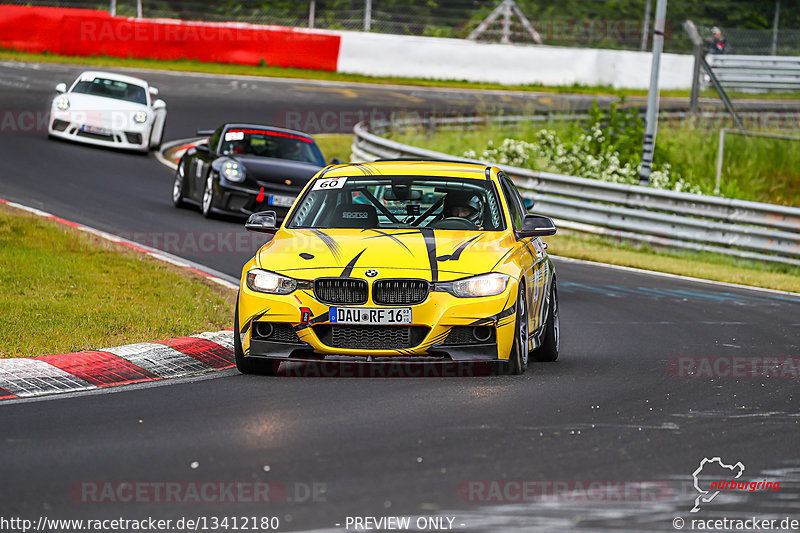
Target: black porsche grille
x: 399, y: 291
x: 370, y: 337
x: 341, y: 290
x: 99, y: 136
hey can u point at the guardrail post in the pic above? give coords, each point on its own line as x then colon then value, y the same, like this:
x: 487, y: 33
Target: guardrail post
x: 720, y: 155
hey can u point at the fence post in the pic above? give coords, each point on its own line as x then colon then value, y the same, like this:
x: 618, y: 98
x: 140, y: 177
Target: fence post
x: 775, y: 27
x: 646, y: 25
x: 112, y: 9
x: 367, y: 15
x: 312, y: 8
x: 651, y: 120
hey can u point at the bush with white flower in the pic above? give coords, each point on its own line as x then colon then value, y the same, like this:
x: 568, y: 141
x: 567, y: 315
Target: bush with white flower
x: 608, y: 149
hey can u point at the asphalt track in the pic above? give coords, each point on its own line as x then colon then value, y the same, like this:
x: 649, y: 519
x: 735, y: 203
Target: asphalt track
x: 611, y: 410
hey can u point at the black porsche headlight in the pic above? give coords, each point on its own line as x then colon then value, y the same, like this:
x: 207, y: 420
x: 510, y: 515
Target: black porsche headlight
x: 233, y: 171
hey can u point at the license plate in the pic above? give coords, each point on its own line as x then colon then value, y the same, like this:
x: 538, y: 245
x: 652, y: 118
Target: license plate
x: 92, y: 129
x: 369, y: 315
x: 281, y: 201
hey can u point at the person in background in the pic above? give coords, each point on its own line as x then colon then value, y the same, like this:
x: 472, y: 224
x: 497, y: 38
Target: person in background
x: 717, y: 45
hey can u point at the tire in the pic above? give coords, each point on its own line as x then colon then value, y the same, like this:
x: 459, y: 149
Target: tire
x: 157, y: 145
x: 178, y: 187
x: 518, y: 358
x: 264, y: 367
x: 548, y: 351
x: 208, y: 197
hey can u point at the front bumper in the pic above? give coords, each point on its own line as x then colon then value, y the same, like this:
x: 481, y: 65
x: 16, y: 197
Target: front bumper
x: 65, y: 126
x: 443, y: 329
x: 243, y: 199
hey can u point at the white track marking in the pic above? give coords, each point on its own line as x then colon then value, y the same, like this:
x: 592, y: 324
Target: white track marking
x: 159, y: 359
x: 223, y: 338
x: 673, y: 276
x: 32, y: 377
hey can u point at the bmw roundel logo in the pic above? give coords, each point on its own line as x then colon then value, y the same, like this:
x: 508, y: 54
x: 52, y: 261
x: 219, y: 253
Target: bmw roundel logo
x: 371, y: 273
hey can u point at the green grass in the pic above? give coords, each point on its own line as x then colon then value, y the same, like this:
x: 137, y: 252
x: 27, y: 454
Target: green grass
x: 757, y: 169
x: 64, y: 291
x: 335, y: 145
x: 284, y: 72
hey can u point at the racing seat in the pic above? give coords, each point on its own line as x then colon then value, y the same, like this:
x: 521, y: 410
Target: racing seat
x: 354, y: 216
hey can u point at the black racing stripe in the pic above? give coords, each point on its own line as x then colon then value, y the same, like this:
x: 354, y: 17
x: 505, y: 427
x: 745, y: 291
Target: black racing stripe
x: 436, y: 340
x: 253, y: 318
x: 501, y: 259
x: 384, y: 234
x: 413, y: 232
x: 430, y: 243
x: 457, y: 253
x: 351, y: 265
x: 321, y: 318
x: 508, y: 311
x: 310, y: 295
x: 332, y: 245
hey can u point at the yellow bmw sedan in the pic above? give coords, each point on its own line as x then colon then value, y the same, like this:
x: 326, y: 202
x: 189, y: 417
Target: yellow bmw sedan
x: 415, y: 261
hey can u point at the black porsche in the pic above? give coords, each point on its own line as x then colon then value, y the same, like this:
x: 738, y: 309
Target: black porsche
x: 244, y: 168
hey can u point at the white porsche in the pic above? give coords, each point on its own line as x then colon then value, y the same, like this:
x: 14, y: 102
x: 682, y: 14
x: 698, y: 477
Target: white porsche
x: 108, y: 109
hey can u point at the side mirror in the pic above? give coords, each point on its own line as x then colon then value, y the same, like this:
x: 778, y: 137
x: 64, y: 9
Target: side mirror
x: 335, y: 161
x: 262, y: 222
x: 205, y: 133
x: 536, y: 226
x: 159, y: 104
x: 154, y: 91
x: 528, y: 203
x: 202, y: 147
x: 61, y: 88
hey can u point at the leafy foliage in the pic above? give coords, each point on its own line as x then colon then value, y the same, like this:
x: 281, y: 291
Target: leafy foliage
x: 607, y: 148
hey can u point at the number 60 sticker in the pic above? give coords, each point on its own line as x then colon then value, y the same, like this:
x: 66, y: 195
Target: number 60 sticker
x: 330, y: 183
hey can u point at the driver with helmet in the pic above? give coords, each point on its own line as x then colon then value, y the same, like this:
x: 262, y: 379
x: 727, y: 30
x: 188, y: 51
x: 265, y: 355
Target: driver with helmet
x: 461, y: 204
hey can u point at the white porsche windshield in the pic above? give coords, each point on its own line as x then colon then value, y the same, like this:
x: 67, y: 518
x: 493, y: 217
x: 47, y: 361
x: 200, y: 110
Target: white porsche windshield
x: 118, y: 90
x: 399, y: 202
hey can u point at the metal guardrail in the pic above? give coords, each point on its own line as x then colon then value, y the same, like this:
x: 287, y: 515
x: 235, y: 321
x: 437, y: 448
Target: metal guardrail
x: 698, y: 222
x: 756, y: 73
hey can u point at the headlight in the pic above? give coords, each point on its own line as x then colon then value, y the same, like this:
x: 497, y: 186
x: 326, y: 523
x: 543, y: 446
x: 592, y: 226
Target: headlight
x: 264, y: 281
x: 62, y: 103
x: 483, y: 285
x: 140, y: 117
x: 232, y: 171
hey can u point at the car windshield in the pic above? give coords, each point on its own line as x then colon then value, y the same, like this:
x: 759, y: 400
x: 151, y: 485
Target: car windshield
x: 399, y: 202
x: 118, y: 90
x: 271, y: 143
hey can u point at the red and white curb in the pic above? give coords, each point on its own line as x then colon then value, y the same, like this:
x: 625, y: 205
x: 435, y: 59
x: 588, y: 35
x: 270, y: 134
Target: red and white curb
x: 171, y: 152
x: 122, y: 365
x: 111, y: 367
